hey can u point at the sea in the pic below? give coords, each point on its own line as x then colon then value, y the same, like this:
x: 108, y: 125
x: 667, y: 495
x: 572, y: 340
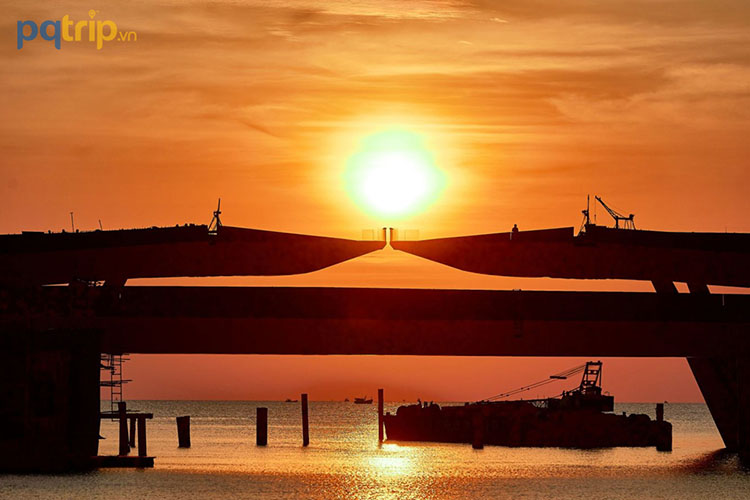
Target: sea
x: 344, y: 460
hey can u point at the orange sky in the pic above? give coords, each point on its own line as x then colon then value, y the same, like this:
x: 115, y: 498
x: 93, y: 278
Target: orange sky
x: 526, y: 105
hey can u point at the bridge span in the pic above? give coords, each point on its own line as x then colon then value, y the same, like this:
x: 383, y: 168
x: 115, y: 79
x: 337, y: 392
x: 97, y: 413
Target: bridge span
x: 291, y: 320
x: 51, y: 337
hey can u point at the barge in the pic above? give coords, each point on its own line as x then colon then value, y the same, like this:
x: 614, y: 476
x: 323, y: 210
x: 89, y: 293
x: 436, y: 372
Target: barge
x: 579, y: 418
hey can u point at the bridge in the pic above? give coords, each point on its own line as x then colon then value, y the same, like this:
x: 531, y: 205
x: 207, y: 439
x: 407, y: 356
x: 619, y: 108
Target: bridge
x: 51, y: 336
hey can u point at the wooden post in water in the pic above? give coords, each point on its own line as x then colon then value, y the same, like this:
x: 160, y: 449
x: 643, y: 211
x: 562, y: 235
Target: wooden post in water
x: 261, y: 426
x: 142, y: 450
x: 123, y: 417
x: 132, y: 433
x: 305, y: 423
x: 478, y: 425
x: 380, y: 416
x: 183, y: 431
x: 664, y: 430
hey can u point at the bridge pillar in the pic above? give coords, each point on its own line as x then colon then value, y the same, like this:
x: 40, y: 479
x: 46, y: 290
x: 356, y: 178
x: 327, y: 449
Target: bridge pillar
x: 716, y: 378
x: 725, y: 385
x: 664, y: 286
x: 718, y: 381
x: 49, y: 400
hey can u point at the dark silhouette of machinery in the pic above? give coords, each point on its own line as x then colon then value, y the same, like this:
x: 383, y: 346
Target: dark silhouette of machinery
x: 628, y: 221
x: 213, y: 227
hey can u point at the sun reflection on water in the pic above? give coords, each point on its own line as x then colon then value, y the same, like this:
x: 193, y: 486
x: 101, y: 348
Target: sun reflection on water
x: 393, y: 460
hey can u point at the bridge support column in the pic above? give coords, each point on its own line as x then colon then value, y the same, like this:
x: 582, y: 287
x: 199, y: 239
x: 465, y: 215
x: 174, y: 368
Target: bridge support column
x: 718, y: 382
x: 49, y: 400
x: 725, y: 385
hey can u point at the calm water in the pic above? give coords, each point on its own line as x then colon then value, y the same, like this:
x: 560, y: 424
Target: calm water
x: 344, y: 461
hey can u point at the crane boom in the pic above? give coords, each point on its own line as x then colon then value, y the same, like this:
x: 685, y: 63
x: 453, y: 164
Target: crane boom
x: 627, y: 221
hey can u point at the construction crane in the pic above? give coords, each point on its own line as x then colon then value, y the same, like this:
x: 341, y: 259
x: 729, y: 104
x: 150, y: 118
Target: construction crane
x: 627, y: 222
x: 588, y: 376
x: 592, y: 375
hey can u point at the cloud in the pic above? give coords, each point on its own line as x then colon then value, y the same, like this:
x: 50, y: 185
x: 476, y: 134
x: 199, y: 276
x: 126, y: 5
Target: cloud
x: 258, y: 91
x: 658, y: 13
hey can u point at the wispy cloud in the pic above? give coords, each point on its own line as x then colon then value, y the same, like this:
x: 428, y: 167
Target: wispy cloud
x: 531, y: 89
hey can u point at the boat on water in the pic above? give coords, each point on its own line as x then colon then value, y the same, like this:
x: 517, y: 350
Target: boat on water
x: 363, y: 401
x: 578, y: 418
x: 288, y: 400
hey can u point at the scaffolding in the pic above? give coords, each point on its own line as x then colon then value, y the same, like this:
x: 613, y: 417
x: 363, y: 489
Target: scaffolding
x: 112, y: 363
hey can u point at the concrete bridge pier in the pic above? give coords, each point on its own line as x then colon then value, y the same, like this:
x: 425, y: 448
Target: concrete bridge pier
x: 718, y: 379
x: 725, y: 385
x: 49, y: 400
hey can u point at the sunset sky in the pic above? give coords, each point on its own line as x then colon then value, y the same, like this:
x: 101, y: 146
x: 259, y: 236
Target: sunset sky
x: 525, y: 107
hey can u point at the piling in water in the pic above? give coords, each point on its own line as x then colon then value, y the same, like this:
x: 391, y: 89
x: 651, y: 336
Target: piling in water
x: 142, y: 450
x: 261, y: 427
x: 122, y: 416
x: 305, y: 423
x: 131, y: 442
x: 380, y: 415
x: 664, y: 436
x: 664, y: 430
x: 183, y: 431
x: 478, y: 427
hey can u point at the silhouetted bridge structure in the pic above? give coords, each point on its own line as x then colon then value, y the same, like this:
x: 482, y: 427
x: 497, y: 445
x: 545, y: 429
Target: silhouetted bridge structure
x: 51, y: 336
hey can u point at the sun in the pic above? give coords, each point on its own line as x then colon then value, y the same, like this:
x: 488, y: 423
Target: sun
x: 392, y: 174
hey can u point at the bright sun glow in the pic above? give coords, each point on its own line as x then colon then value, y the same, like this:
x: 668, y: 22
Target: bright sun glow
x: 393, y: 174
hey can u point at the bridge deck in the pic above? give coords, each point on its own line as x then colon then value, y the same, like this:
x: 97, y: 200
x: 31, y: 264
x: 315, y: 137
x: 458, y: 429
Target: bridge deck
x: 263, y: 320
x: 600, y: 253
x: 116, y: 256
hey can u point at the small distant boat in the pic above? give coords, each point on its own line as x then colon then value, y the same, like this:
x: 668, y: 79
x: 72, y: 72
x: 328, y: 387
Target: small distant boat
x: 362, y: 401
x: 291, y: 400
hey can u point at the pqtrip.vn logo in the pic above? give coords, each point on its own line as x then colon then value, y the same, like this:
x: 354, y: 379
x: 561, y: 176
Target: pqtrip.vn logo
x: 67, y: 30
